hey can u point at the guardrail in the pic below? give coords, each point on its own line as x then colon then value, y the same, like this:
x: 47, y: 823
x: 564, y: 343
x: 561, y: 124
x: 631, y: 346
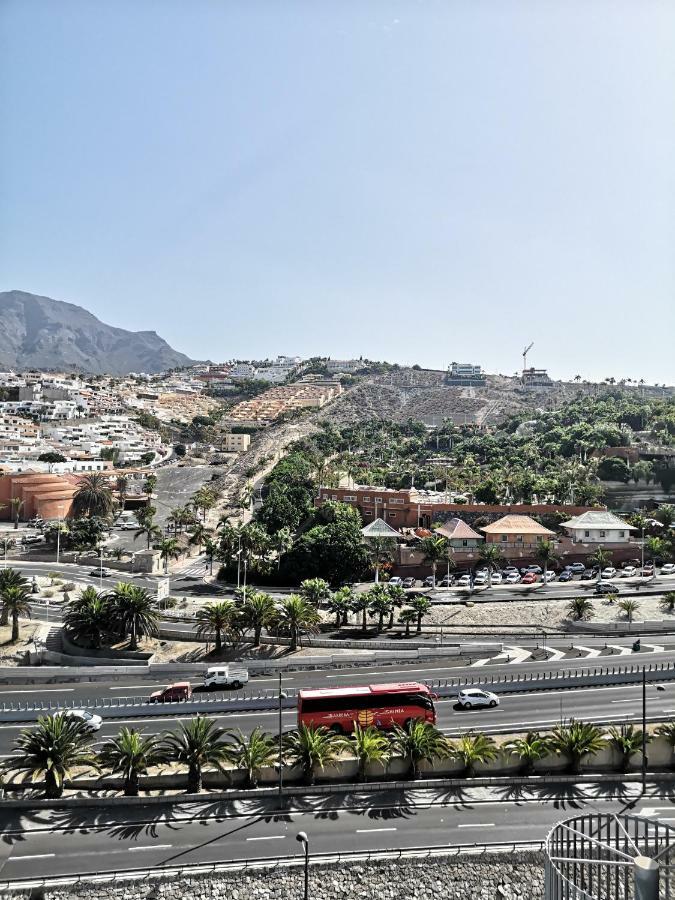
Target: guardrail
x: 298, y: 860
x: 240, y: 701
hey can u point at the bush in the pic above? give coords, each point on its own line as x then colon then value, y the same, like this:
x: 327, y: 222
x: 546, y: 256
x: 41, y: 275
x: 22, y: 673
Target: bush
x: 69, y: 586
x: 48, y: 594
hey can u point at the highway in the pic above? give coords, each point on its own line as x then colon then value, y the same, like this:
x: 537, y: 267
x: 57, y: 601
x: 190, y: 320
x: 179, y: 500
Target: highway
x: 85, y: 840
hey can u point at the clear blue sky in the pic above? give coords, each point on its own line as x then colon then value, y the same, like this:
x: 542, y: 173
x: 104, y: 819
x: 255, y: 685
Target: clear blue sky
x: 414, y: 181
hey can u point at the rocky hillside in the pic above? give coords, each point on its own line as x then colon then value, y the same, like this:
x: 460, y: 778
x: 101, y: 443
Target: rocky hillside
x: 41, y: 333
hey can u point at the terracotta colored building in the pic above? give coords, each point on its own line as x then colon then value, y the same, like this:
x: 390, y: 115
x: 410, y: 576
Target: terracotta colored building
x: 514, y: 532
x: 47, y: 496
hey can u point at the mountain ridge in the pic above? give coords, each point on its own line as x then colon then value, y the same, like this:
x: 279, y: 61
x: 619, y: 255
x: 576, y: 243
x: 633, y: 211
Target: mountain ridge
x: 38, y: 332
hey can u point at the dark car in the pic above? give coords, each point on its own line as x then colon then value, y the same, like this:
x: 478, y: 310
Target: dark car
x: 606, y: 587
x: 566, y: 575
x: 588, y: 575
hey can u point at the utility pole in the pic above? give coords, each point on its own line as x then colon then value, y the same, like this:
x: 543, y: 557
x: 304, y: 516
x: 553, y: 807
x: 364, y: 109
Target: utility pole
x: 282, y: 696
x: 644, y: 730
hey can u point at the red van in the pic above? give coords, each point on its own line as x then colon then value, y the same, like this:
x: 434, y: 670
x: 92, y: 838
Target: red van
x: 182, y: 690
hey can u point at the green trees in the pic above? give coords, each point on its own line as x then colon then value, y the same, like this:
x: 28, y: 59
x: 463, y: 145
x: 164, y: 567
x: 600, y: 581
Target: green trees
x: 530, y: 748
x: 50, y: 751
x: 168, y: 549
x: 88, y: 618
x: 491, y: 555
x: 369, y: 746
x: 215, y: 618
x: 472, y: 749
x: 15, y: 603
x: 340, y: 604
x: 9, y: 578
x: 199, y: 742
x: 629, y: 607
x: 421, y: 605
x: 433, y: 549
x: 252, y: 753
x: 546, y: 554
x: 310, y: 749
x: 149, y: 530
x: 16, y: 503
x: 314, y: 590
x: 380, y: 603
x: 418, y: 742
x: 134, y: 612
x: 406, y: 617
x: 601, y: 558
x: 627, y: 740
x: 130, y: 755
x: 575, y: 741
x: 257, y: 612
x: 93, y: 496
x: 580, y: 608
x: 667, y: 602
x: 295, y: 616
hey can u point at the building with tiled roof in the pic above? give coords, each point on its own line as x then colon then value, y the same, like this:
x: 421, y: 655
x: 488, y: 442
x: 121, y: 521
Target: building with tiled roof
x: 459, y: 535
x: 516, y: 531
x: 598, y: 527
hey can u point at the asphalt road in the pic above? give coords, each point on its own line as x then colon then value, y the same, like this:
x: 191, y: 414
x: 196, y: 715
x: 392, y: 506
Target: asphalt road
x: 83, y: 841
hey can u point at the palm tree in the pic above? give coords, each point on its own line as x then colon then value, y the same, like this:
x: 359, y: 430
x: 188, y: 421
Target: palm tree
x: 666, y: 515
x: 656, y: 547
x: 530, y: 748
x: 419, y: 741
x: 168, y: 549
x: 627, y: 740
x: 668, y: 601
x: 16, y: 503
x: 629, y: 606
x: 546, y: 555
x: 252, y: 753
x: 15, y: 601
x: 121, y: 485
x: 380, y: 604
x: 340, y: 604
x: 215, y: 618
x: 133, y: 609
x: 198, y: 536
x: 151, y: 531
x: 580, y: 608
x: 296, y: 615
x: 314, y: 590
x: 421, y: 605
x: 210, y: 549
x: 9, y: 578
x: 472, y: 749
x: 50, y: 750
x: 667, y: 730
x: 87, y: 618
x: 360, y: 604
x: 576, y: 740
x: 407, y: 616
x: 198, y: 743
x: 380, y: 550
x: 257, y: 612
x: 130, y: 755
x: 282, y: 542
x: 398, y: 597
x: 491, y: 555
x: 311, y: 748
x: 601, y: 558
x: 434, y: 549
x: 369, y: 745
x: 150, y: 484
x: 93, y: 496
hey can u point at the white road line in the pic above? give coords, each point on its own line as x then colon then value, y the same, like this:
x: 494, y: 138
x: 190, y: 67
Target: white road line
x: 634, y: 700
x: 371, y: 830
x: 41, y: 691
x: 477, y: 825
x: 131, y: 687
x: 275, y: 680
x: 481, y: 662
x: 623, y: 651
x: 520, y: 654
x: 151, y: 847
x: 268, y: 837
x: 591, y: 652
x: 555, y: 654
x: 654, y: 648
x: 34, y: 856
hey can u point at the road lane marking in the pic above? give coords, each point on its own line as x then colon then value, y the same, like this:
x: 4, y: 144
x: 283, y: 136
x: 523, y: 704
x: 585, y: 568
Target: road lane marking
x: 151, y: 847
x: 131, y: 687
x: 268, y: 837
x: 34, y: 856
x: 371, y: 830
x: 41, y: 691
x: 477, y: 825
x: 276, y: 680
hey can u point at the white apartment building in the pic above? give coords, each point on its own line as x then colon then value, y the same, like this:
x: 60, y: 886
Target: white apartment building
x: 344, y: 365
x: 236, y: 443
x: 598, y: 527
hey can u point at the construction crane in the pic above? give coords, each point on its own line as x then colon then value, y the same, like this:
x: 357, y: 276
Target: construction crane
x: 525, y: 352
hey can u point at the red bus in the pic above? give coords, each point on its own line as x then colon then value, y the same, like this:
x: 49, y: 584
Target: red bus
x: 381, y: 705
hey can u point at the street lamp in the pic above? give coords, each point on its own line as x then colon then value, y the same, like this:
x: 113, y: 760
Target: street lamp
x: 644, y: 731
x: 282, y: 697
x: 304, y: 840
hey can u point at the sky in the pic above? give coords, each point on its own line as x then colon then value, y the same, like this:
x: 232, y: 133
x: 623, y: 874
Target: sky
x: 419, y: 181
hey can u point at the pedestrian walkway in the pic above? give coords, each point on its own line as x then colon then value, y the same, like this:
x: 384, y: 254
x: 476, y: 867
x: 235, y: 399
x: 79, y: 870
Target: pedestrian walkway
x: 513, y: 655
x: 196, y: 567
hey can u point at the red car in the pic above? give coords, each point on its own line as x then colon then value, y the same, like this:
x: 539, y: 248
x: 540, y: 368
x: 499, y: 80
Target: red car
x: 529, y: 578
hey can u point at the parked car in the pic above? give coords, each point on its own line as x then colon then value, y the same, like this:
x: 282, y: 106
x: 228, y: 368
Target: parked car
x: 628, y: 571
x: 566, y: 575
x: 470, y: 697
x: 481, y: 578
x: 536, y: 569
x: 588, y: 575
x: 182, y: 690
x: 408, y: 582
x: 129, y: 526
x: 91, y: 721
x: 396, y: 581
x: 529, y: 578
x: 648, y: 570
x: 606, y: 587
x: 667, y: 569
x: 464, y: 581
x: 547, y: 576
x: 429, y: 581
x: 225, y: 676
x: 513, y: 578
x: 609, y: 572
x: 496, y: 578
x: 509, y: 569
x: 28, y: 540
x: 100, y: 572
x: 446, y: 581
x: 577, y: 568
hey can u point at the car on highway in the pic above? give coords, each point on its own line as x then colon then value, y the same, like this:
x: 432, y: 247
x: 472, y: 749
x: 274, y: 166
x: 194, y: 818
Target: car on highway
x: 408, y: 582
x: 181, y: 690
x: 566, y: 575
x: 577, y: 568
x: 667, y: 569
x: 607, y: 573
x: 90, y: 720
x: 100, y: 572
x: 464, y: 581
x: 475, y: 697
x: 512, y: 578
x: 606, y: 587
x: 396, y: 581
x: 529, y: 578
x: 628, y: 572
x: 229, y: 676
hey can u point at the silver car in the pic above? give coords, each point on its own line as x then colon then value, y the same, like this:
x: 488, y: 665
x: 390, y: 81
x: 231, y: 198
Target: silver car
x: 474, y: 697
x: 90, y: 720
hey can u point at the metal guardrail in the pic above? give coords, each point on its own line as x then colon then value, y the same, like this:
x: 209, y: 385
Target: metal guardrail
x: 271, y: 862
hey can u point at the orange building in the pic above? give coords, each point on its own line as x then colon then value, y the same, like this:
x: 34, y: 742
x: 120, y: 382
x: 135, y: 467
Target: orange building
x: 47, y: 496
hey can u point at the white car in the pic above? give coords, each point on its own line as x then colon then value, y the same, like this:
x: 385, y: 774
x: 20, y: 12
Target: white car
x: 496, y: 578
x: 100, y: 573
x: 90, y: 720
x: 480, y: 579
x: 474, y: 697
x: 395, y: 581
x: 547, y: 576
x: 464, y: 581
x: 513, y: 578
x: 667, y: 569
x: 608, y: 573
x: 628, y: 572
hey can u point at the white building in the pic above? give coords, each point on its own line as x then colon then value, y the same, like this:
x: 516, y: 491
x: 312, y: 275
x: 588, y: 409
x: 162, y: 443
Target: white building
x: 344, y: 365
x: 598, y: 527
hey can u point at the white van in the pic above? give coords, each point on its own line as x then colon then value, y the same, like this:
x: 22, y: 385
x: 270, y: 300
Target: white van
x: 224, y: 677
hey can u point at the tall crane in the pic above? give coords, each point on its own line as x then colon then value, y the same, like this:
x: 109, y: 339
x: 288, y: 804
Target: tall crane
x: 525, y: 352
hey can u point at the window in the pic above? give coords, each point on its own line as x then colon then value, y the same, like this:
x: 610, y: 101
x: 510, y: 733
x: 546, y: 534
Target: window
x: 602, y: 534
x: 366, y: 499
x: 587, y: 534
x: 622, y: 534
x: 392, y: 515
x: 465, y: 543
x: 348, y: 498
x: 519, y: 538
x: 378, y: 499
x: 396, y: 500
x: 503, y: 538
x: 334, y: 497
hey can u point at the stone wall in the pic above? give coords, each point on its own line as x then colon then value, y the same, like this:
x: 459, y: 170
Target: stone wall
x: 496, y: 876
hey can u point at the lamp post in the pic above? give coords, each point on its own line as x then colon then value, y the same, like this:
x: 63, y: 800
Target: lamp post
x: 239, y: 563
x: 282, y: 697
x: 642, y: 553
x: 304, y: 840
x: 644, y: 731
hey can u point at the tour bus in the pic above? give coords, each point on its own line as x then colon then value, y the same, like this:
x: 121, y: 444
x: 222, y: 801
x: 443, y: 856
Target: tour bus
x: 381, y: 705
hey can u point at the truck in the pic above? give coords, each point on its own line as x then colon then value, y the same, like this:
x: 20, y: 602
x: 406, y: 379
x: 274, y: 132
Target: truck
x: 225, y: 676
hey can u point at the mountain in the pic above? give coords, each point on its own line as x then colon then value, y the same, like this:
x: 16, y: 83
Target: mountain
x: 41, y: 333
